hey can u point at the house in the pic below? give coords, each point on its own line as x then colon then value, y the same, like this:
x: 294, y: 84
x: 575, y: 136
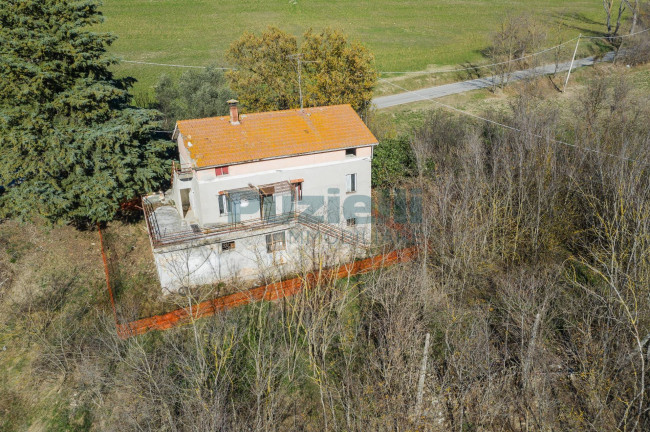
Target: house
x: 259, y: 196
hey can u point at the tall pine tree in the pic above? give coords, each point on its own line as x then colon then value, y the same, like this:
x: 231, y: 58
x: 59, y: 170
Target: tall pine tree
x: 73, y: 148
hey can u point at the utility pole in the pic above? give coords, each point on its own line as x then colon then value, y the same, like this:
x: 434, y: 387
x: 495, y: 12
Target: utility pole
x: 298, y: 58
x: 571, y: 65
x: 423, y: 372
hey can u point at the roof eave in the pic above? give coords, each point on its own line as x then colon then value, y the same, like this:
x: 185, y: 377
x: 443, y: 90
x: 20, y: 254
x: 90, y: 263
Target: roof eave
x: 281, y: 157
x: 176, y: 132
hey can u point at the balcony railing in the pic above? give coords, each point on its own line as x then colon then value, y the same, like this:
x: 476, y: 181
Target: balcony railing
x: 331, y: 230
x: 161, y: 236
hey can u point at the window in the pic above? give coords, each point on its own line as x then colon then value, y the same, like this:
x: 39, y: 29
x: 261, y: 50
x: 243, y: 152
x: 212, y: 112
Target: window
x: 227, y: 246
x: 351, y: 221
x: 224, y: 205
x: 221, y: 170
x: 351, y: 183
x: 275, y: 242
x: 351, y: 152
x: 297, y: 192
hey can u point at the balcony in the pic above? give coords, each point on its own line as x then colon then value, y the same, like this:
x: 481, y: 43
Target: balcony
x: 166, y: 227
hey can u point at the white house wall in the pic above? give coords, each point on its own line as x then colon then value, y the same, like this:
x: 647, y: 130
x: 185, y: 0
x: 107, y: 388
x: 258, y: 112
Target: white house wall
x: 286, y: 162
x: 320, y: 183
x: 324, y: 194
x: 195, y: 264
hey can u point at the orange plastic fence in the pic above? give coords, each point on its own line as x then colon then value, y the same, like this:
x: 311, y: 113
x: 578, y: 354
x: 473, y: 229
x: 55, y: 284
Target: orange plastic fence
x: 269, y: 292
x: 106, y: 272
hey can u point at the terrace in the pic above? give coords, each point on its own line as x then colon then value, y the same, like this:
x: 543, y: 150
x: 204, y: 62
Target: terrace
x: 166, y: 226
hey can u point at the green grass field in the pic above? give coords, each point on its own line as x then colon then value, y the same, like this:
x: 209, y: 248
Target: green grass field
x: 404, y: 35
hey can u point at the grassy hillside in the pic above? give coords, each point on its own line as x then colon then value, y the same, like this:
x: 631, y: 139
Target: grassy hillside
x: 403, y: 35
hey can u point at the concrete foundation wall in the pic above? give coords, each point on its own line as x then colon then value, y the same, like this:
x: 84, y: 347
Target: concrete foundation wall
x: 201, y: 263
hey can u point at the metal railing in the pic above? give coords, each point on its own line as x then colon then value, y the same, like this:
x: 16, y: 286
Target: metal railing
x: 331, y: 230
x: 165, y: 237
x: 150, y: 219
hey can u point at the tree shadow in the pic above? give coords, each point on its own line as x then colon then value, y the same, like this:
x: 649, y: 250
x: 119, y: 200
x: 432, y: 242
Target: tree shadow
x: 576, y: 21
x: 473, y: 70
x: 599, y: 47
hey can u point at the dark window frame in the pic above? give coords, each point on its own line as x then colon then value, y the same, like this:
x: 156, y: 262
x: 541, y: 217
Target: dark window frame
x: 297, y: 192
x: 224, y: 205
x: 272, y: 242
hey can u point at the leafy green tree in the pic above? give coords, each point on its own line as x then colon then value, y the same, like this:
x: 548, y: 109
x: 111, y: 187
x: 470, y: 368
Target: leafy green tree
x: 73, y: 146
x: 393, y: 160
x: 332, y: 70
x: 337, y: 71
x: 265, y: 78
x: 197, y: 94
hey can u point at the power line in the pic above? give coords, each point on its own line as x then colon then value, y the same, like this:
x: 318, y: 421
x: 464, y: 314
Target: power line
x: 512, y: 127
x: 174, y: 65
x: 513, y: 60
x: 419, y: 72
x: 616, y: 37
x: 482, y: 66
x: 294, y: 57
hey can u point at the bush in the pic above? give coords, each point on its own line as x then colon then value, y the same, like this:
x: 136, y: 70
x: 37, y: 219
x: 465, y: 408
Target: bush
x: 393, y: 161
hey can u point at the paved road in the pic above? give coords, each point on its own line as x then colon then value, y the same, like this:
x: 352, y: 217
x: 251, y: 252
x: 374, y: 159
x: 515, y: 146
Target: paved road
x: 475, y: 84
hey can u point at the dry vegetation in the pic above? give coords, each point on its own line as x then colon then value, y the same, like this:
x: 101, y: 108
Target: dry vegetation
x: 532, y: 282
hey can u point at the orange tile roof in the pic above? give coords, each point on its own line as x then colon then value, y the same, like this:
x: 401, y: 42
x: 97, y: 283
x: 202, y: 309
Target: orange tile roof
x: 214, y: 141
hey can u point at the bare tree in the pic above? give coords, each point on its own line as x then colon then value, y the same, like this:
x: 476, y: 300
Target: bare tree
x: 517, y: 37
x: 610, y: 11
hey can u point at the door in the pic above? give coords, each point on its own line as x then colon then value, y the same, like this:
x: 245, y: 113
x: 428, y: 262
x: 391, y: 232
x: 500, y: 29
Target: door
x: 185, y: 201
x: 268, y: 207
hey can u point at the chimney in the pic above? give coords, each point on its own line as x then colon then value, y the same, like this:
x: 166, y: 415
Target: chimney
x: 234, y: 112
